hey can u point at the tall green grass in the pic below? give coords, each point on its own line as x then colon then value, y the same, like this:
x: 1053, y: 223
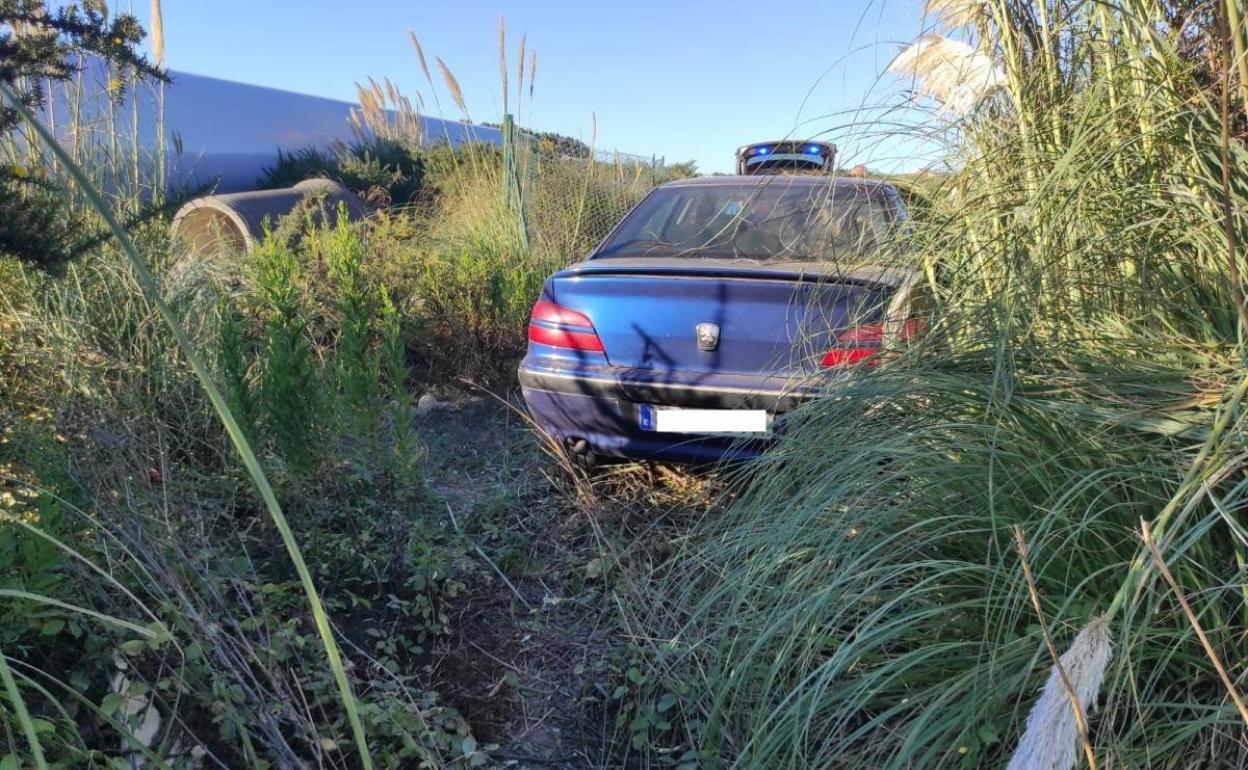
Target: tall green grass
x: 152, y: 292
x: 861, y: 602
x: 318, y: 344
x: 490, y: 223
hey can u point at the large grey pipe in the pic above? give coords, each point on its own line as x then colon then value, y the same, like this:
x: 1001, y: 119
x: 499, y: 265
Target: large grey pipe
x: 235, y: 221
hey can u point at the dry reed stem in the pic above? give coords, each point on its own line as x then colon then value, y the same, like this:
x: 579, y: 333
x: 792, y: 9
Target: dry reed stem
x: 158, y: 34
x: 532, y: 76
x: 955, y: 13
x: 1228, y: 211
x: 1081, y: 718
x: 420, y: 56
x: 452, y: 85
x: 502, y: 59
x: 1239, y: 36
x: 1147, y: 536
x: 520, y: 69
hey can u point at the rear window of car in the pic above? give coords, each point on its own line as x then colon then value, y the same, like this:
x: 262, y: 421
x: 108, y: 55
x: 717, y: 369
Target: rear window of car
x: 773, y: 220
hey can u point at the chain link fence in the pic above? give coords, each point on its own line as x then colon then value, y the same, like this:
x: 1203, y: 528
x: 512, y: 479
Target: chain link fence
x: 568, y: 205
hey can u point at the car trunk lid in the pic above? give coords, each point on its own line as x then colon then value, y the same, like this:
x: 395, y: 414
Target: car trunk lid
x: 770, y: 317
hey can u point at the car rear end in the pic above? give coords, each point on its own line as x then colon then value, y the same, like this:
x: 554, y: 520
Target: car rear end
x: 696, y: 354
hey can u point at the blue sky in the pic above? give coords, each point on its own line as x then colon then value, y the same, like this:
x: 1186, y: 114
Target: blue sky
x: 679, y: 79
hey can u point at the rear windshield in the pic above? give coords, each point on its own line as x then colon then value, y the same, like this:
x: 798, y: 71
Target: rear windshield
x: 776, y: 219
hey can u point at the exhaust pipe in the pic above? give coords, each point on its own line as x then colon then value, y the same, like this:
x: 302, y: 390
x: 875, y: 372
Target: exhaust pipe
x: 580, y: 452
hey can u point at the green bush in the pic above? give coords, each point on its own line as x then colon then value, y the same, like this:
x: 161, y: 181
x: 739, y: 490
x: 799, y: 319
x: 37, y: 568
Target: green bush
x: 288, y: 381
x: 384, y: 172
x: 138, y: 479
x: 380, y: 171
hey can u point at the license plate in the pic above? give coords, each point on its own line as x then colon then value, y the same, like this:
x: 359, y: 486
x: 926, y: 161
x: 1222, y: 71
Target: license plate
x: 671, y: 419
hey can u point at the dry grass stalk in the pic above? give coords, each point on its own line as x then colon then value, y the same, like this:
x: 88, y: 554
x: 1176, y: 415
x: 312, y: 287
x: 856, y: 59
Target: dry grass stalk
x: 520, y: 68
x: 384, y: 112
x: 532, y: 73
x: 453, y: 86
x: 424, y: 67
x: 420, y: 56
x: 502, y: 59
x: 1074, y: 680
x: 158, y: 34
x: 955, y: 13
x: 1147, y: 536
x: 949, y: 71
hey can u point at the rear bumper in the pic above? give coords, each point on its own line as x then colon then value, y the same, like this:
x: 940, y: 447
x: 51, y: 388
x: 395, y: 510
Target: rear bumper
x: 599, y: 405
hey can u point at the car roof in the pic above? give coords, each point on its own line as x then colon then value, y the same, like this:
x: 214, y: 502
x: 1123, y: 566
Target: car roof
x: 799, y: 180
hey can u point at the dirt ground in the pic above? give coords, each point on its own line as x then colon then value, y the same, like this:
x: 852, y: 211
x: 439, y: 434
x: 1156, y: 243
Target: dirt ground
x: 538, y: 646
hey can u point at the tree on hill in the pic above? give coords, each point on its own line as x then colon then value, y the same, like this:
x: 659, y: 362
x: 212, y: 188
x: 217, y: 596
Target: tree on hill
x: 682, y: 170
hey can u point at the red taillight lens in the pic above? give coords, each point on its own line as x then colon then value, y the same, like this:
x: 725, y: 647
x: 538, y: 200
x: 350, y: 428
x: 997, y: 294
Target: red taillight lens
x: 562, y: 338
x: 560, y: 327
x: 556, y: 314
x: 847, y: 356
x: 867, y: 335
x: 860, y: 344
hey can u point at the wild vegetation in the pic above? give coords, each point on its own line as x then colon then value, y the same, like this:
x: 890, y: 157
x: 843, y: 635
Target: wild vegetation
x: 42, y: 221
x: 313, y: 570
x: 226, y: 541
x: 865, y: 601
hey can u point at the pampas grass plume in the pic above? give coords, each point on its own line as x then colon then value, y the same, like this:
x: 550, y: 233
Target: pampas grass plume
x: 1052, y: 738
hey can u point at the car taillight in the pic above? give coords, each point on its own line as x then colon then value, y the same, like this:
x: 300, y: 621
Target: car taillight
x: 560, y: 327
x: 861, y: 344
x: 857, y: 345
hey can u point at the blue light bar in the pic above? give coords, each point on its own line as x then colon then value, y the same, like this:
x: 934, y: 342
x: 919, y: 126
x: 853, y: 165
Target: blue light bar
x: 762, y: 151
x: 813, y: 149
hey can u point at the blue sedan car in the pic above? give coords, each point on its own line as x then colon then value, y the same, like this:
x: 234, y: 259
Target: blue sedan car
x: 714, y: 307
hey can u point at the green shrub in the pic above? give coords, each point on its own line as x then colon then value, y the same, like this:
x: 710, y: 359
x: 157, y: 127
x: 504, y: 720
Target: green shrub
x: 234, y: 361
x: 358, y: 364
x: 384, y: 172
x: 380, y: 171
x: 173, y: 526
x: 35, y: 491
x: 288, y: 382
x: 405, y: 455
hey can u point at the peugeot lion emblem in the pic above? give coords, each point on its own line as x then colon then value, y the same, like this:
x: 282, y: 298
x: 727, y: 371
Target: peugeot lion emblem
x: 708, y: 336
